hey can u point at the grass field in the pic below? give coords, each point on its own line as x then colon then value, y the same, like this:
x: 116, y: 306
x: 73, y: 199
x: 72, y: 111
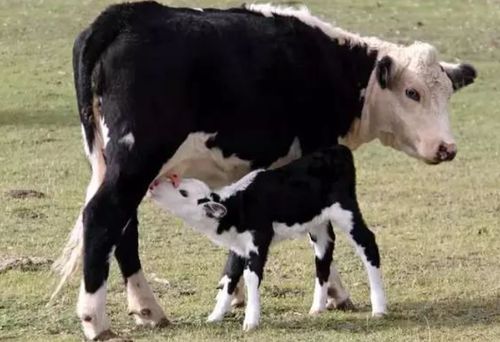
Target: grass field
x: 437, y: 227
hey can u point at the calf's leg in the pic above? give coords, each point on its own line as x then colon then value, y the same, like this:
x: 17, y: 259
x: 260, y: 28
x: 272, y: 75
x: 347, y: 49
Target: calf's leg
x: 329, y: 292
x: 230, y: 279
x: 363, y: 240
x: 253, y: 275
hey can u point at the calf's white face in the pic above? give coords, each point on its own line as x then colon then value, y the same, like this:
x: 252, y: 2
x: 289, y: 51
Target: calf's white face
x: 406, y: 105
x: 191, y: 200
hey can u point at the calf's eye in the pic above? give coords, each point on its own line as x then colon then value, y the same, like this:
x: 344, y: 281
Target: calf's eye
x: 413, y: 94
x: 183, y: 193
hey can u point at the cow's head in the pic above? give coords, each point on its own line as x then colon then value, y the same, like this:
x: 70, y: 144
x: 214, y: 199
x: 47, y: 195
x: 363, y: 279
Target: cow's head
x: 406, y: 104
x: 189, y: 198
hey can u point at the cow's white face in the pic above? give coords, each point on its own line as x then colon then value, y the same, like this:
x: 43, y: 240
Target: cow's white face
x: 406, y: 104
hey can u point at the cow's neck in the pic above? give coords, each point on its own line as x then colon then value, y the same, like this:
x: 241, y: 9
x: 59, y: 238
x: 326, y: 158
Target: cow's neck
x: 362, y: 130
x: 358, y: 56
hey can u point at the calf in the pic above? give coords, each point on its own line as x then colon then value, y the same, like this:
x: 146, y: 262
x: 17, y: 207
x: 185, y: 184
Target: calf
x: 306, y: 196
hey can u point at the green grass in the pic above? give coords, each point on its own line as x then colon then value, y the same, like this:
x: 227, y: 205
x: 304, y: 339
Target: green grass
x: 437, y: 227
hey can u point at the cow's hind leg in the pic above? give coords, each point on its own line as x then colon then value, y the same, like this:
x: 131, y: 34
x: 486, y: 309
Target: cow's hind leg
x: 228, y: 284
x: 105, y: 219
x: 142, y: 303
x: 338, y: 296
x: 363, y: 240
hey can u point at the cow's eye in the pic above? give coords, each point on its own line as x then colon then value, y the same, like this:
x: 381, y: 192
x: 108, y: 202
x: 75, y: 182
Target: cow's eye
x: 183, y: 193
x: 413, y: 94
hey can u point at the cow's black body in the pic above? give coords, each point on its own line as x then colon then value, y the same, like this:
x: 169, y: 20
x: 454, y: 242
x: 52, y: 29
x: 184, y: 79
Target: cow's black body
x: 258, y: 82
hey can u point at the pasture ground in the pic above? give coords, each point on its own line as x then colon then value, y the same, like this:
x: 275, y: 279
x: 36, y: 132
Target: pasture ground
x: 438, y: 227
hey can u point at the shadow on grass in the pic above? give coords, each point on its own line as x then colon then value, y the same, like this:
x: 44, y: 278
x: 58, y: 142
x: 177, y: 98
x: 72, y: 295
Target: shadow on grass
x: 59, y: 117
x: 446, y: 313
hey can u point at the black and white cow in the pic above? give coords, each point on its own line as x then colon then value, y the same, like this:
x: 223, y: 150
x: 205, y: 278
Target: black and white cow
x: 214, y: 94
x: 306, y: 196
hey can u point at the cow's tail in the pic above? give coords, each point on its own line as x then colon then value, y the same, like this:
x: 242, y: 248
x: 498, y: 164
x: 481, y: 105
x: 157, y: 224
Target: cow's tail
x: 87, y: 49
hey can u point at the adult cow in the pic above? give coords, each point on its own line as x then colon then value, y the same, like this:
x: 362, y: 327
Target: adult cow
x: 213, y: 94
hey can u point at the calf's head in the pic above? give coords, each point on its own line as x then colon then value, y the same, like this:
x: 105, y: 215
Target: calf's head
x: 190, y: 199
x: 407, y: 102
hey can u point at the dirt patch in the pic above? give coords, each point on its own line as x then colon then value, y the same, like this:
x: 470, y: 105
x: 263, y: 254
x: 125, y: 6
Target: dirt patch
x: 26, y: 213
x: 24, y: 264
x: 24, y: 193
x: 277, y: 292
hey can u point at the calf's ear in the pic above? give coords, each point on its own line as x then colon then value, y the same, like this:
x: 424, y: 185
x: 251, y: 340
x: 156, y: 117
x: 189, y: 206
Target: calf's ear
x: 385, y: 72
x: 214, y: 210
x: 461, y: 75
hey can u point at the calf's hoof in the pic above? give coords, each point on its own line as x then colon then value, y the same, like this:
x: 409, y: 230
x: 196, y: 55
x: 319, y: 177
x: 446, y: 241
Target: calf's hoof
x: 214, y: 318
x: 316, y: 311
x: 379, y: 315
x: 249, y: 325
x: 345, y: 305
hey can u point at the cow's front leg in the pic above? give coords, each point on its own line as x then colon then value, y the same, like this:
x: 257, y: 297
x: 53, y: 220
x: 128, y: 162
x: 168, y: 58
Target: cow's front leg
x: 105, y: 218
x: 142, y: 303
x: 230, y: 279
x: 100, y: 236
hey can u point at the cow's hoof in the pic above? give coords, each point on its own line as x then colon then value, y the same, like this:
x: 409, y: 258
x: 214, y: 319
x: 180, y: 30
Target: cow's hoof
x: 346, y: 305
x: 163, y: 323
x: 238, y: 303
x: 379, y: 315
x: 150, y: 318
x: 106, y: 335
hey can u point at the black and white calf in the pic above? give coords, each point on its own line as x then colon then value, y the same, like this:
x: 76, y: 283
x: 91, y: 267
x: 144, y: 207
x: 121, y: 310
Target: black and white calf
x: 214, y: 94
x: 306, y: 196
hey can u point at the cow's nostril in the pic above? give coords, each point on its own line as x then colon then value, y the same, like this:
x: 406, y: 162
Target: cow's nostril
x: 451, y: 155
x: 446, y: 152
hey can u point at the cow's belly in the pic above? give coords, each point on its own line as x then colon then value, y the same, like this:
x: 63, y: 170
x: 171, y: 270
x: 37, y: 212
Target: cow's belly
x: 194, y: 160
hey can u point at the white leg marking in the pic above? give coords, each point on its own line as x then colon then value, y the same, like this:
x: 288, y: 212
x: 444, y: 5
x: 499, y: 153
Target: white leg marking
x: 252, y: 310
x: 343, y: 218
x: 319, y: 299
x: 223, y: 304
x: 320, y: 234
x: 377, y: 294
x: 91, y: 308
x: 142, y: 303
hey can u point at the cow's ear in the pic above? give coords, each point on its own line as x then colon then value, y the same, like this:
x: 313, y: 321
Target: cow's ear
x: 461, y: 75
x: 385, y: 72
x: 214, y: 210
